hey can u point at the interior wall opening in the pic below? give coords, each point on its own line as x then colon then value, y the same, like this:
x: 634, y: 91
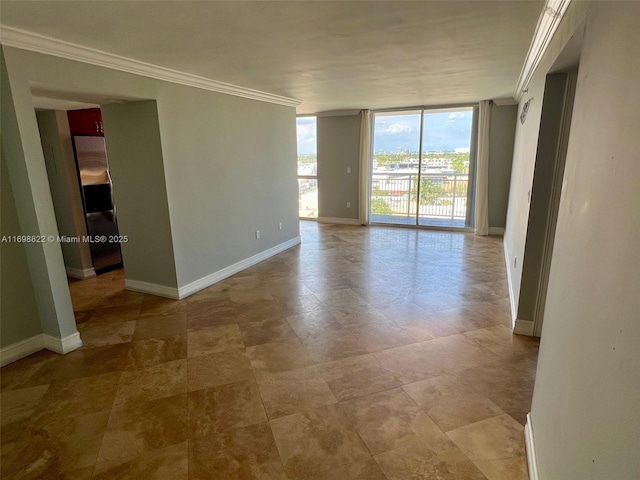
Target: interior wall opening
x: 77, y: 167
x: 546, y: 191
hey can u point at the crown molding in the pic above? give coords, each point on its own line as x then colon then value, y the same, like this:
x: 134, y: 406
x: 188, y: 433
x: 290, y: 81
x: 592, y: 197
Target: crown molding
x: 338, y: 113
x: 505, y: 101
x: 550, y: 18
x: 13, y: 37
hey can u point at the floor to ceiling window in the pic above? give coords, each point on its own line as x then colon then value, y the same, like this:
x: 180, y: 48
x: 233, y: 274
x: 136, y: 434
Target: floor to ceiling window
x: 421, y: 164
x: 307, y: 167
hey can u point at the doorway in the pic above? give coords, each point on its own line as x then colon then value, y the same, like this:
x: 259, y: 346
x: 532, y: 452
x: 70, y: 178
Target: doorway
x: 555, y: 124
x: 96, y: 188
x: 75, y: 156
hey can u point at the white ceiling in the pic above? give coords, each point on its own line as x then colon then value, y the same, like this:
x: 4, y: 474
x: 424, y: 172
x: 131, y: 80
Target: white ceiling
x: 331, y: 55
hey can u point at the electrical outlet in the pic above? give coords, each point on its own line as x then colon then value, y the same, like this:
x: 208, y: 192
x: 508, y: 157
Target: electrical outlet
x: 348, y: 204
x: 348, y: 169
x: 257, y: 234
x: 279, y: 225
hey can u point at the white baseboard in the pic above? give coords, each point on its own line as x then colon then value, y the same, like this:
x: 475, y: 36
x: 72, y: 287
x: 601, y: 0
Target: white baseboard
x: 204, y: 282
x: 512, y: 297
x: 226, y: 272
x: 62, y: 345
x: 496, y: 231
x: 21, y: 349
x: 529, y: 441
x: 339, y: 221
x: 80, y: 273
x: 520, y: 326
x: 523, y: 327
x: 34, y: 344
x: 152, y: 289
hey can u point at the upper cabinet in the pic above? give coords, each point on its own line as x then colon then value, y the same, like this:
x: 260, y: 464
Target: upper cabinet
x: 85, y: 122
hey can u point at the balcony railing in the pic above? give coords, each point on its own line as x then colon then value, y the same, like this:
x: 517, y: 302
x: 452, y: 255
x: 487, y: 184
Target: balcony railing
x: 307, y: 196
x: 442, y: 196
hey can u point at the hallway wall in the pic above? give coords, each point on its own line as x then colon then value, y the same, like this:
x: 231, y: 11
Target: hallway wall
x: 584, y: 419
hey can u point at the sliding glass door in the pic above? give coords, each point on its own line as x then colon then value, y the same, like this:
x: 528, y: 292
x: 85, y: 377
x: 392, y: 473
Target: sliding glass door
x: 420, y: 170
x: 396, y: 143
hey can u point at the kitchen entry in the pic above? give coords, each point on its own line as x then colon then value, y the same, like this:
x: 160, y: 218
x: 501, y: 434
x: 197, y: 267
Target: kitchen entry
x: 96, y: 188
x: 100, y: 211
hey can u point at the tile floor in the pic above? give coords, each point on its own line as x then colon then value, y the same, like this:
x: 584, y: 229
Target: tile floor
x: 364, y: 353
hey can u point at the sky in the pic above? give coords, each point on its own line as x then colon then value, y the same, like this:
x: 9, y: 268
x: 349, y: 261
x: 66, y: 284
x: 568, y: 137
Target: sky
x: 446, y: 131
x: 306, y: 128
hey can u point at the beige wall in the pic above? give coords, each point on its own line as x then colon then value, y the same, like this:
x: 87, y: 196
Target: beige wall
x: 231, y: 169
x: 584, y: 415
x: 229, y: 165
x: 65, y: 189
x: 139, y: 191
x: 338, y: 149
x: 501, y: 138
x: 27, y: 174
x: 19, y: 317
x: 525, y: 148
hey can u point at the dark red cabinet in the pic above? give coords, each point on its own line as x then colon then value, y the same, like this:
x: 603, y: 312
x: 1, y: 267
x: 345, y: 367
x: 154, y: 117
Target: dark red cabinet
x: 85, y: 122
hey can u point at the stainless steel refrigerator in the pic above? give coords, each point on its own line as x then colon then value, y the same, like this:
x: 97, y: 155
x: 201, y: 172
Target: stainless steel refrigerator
x: 99, y: 208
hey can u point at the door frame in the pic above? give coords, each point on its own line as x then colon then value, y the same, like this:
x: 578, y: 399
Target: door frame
x: 554, y: 204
